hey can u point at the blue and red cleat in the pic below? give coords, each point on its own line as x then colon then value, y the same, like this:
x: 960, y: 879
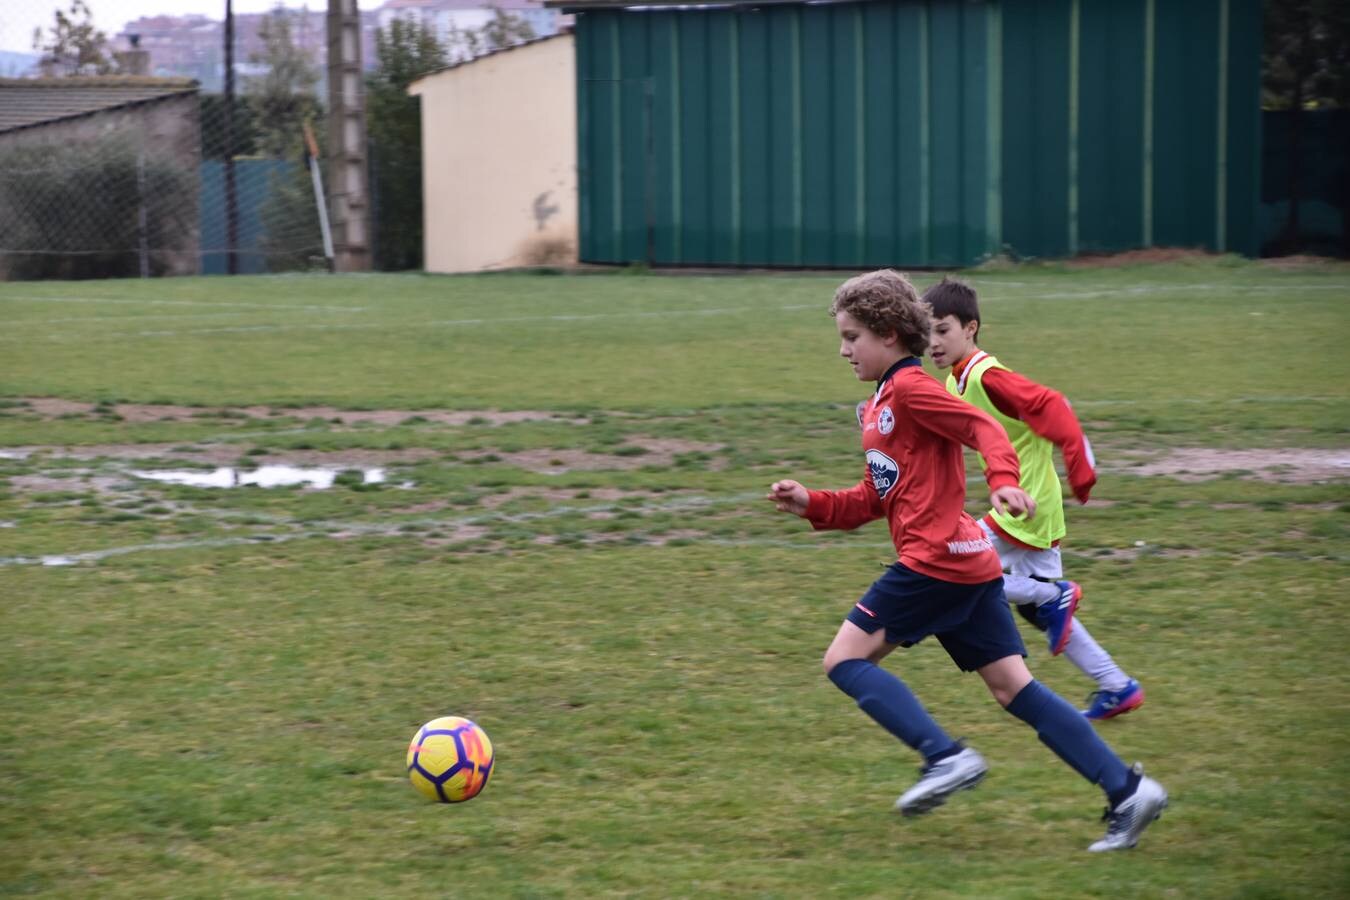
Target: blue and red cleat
x: 1106, y: 704
x: 1057, y: 615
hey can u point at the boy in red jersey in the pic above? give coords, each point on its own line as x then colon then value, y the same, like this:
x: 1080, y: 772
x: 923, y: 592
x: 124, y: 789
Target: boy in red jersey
x: 948, y: 580
x: 1037, y: 419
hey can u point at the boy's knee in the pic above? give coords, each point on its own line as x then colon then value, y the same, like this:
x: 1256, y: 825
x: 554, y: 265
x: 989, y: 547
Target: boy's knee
x: 1005, y: 679
x: 833, y: 659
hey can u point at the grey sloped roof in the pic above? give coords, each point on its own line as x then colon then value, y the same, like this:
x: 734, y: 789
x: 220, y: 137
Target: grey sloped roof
x: 25, y: 102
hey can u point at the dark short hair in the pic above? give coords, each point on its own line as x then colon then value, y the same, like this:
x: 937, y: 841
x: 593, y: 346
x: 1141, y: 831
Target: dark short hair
x: 885, y: 301
x: 950, y: 297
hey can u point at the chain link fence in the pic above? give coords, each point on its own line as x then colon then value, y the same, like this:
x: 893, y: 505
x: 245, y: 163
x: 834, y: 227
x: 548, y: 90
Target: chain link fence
x: 125, y: 151
x: 113, y: 167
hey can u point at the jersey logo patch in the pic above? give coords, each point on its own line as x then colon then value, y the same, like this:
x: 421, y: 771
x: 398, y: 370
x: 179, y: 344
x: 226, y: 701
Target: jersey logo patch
x: 885, y: 473
x: 886, y: 420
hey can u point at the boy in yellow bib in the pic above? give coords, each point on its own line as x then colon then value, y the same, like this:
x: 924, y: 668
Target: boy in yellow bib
x: 1037, y: 419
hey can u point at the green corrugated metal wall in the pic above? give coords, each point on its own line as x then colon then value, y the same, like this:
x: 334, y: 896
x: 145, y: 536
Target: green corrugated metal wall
x: 916, y: 133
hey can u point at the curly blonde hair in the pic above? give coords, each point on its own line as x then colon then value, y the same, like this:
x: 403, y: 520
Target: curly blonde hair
x: 886, y: 302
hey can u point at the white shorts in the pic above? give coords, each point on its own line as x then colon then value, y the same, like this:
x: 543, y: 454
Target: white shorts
x: 1023, y: 560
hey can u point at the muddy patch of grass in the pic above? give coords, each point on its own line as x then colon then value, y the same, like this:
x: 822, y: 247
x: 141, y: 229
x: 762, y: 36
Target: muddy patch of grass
x: 1290, y: 465
x: 55, y: 407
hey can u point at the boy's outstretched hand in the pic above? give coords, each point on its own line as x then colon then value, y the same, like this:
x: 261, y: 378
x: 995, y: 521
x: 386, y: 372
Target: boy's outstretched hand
x: 1013, y: 501
x: 789, y: 496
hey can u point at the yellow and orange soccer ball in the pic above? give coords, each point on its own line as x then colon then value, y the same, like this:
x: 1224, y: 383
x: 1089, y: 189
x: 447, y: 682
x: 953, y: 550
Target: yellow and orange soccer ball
x: 450, y: 759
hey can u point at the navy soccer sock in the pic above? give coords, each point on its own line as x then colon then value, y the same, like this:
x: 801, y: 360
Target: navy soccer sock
x: 887, y: 700
x: 1064, y: 730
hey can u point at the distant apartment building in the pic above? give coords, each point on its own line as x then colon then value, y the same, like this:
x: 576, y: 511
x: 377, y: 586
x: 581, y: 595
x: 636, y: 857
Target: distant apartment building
x: 449, y: 18
x: 192, y: 46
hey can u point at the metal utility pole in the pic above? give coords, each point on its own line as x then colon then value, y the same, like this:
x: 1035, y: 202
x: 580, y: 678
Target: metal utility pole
x: 347, y: 168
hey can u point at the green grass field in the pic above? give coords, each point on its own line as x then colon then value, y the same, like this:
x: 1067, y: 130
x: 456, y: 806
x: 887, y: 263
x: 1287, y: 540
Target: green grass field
x: 209, y: 691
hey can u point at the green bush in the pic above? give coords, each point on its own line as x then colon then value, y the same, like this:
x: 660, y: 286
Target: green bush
x: 67, y: 213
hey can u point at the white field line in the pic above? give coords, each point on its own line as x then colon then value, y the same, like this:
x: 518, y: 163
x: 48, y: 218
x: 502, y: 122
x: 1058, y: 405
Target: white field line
x: 230, y: 437
x: 177, y: 317
x: 274, y: 307
x: 325, y: 528
x: 417, y: 326
x: 1132, y: 551
x: 1137, y: 291
x: 677, y: 504
x: 71, y: 559
x: 1218, y: 401
x: 808, y: 541
x: 393, y: 528
x: 1146, y: 289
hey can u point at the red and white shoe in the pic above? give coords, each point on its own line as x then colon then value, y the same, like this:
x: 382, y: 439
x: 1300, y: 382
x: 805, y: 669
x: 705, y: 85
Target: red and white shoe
x: 1108, y: 704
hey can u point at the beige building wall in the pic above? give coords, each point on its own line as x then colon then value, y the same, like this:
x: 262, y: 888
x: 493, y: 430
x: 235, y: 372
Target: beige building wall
x: 499, y: 159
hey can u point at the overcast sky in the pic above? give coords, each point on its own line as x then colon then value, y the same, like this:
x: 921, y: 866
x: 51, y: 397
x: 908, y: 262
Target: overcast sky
x: 18, y: 18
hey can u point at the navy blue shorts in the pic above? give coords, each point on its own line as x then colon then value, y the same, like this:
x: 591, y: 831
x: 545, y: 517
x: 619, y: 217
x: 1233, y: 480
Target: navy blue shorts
x: 971, y: 621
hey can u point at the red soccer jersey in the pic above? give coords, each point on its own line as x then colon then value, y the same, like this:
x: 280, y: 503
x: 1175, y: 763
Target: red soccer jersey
x: 913, y: 431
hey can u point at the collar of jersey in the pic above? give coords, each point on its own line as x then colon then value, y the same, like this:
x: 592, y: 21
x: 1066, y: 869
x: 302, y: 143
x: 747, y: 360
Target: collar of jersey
x: 962, y: 369
x: 907, y: 361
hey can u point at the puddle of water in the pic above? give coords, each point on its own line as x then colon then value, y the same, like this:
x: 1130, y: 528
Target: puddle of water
x: 265, y: 476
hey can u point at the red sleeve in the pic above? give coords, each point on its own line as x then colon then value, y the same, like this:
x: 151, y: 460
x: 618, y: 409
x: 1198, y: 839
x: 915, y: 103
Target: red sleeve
x: 1046, y: 412
x: 955, y: 419
x: 846, y: 509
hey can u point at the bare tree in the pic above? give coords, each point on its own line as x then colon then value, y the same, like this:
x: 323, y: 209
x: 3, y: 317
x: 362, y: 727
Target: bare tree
x: 73, y: 46
x: 504, y: 30
x: 284, y: 96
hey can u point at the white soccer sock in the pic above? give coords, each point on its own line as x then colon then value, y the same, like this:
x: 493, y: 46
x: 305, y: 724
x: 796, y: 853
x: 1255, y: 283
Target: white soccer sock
x: 1023, y: 590
x: 1095, y: 663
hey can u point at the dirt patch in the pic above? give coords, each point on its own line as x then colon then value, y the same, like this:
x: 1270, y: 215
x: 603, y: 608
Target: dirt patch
x: 653, y: 452
x: 1130, y: 554
x: 459, y: 534
x: 560, y: 462
x: 229, y: 454
x: 52, y: 407
x: 1145, y: 256
x: 492, y: 501
x: 348, y: 458
x: 612, y: 494
x: 82, y: 483
x: 677, y: 534
x: 1286, y: 465
x: 420, y: 508
x: 126, y: 451
x: 550, y: 540
x: 559, y: 495
x: 668, y: 447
